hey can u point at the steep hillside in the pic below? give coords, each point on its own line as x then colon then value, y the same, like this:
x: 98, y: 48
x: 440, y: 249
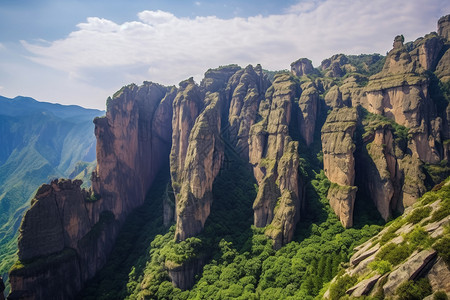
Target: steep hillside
x: 39, y: 141
x: 409, y: 259
x: 272, y: 182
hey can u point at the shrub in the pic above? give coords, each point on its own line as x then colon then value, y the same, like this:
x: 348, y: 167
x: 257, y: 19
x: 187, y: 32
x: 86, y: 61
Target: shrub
x: 342, y: 284
x: 442, y: 246
x: 412, y: 290
x: 394, y: 254
x: 381, y: 266
x: 418, y: 214
x: 442, y: 212
x: 440, y: 295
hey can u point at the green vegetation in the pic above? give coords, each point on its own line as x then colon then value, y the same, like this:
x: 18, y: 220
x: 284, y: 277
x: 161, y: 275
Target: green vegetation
x: 442, y: 246
x: 342, y: 284
x: 412, y: 290
x: 381, y: 266
x: 418, y: 214
x: 394, y: 254
x: 373, y: 122
x: 367, y: 64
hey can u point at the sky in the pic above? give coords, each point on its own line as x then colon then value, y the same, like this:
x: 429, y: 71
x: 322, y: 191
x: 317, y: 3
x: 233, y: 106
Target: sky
x: 82, y: 51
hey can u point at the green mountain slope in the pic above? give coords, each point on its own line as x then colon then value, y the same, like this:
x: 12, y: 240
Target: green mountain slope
x: 39, y: 141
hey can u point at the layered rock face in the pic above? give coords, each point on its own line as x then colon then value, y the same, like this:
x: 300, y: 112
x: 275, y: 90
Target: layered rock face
x: 204, y: 158
x: 339, y: 163
x: 401, y: 92
x: 133, y: 140
x: 60, y: 243
x: 67, y: 234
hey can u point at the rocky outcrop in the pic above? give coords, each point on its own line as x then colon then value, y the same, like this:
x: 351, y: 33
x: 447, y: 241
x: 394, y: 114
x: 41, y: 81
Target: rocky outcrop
x: 339, y: 163
x: 309, y: 106
x: 444, y: 27
x: 186, y: 107
x: 302, y: 66
x: 384, y: 173
x: 400, y: 92
x: 202, y: 163
x: 68, y: 232
x: 245, y: 90
x: 60, y: 242
x: 410, y: 270
x: 271, y: 152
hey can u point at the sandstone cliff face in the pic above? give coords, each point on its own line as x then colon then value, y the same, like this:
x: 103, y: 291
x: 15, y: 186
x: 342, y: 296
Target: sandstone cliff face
x: 400, y: 92
x: 60, y: 243
x: 309, y: 106
x: 133, y: 142
x: 271, y: 152
x: 245, y: 90
x: 301, y: 67
x: 339, y: 163
x: 444, y: 27
x: 203, y: 160
x: 66, y: 238
x: 73, y: 230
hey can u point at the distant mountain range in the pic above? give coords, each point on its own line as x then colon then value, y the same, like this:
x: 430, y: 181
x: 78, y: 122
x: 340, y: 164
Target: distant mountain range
x: 39, y: 141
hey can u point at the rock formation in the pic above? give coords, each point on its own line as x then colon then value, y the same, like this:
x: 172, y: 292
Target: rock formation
x: 67, y: 234
x: 444, y: 27
x: 274, y: 157
x: 382, y: 129
x: 301, y: 67
x: 202, y: 163
x: 339, y: 163
x: 61, y: 243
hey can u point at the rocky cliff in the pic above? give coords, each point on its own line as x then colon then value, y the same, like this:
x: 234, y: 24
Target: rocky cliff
x: 339, y: 162
x: 379, y: 123
x: 68, y: 232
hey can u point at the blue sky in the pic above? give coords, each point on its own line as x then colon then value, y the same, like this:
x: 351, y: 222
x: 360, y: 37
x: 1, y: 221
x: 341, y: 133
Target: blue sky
x: 80, y: 51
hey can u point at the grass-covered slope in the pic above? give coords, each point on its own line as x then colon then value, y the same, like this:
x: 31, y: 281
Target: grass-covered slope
x: 407, y: 259
x: 39, y: 141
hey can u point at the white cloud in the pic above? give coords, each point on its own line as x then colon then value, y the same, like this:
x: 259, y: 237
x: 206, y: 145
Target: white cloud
x: 164, y: 48
x: 2, y: 47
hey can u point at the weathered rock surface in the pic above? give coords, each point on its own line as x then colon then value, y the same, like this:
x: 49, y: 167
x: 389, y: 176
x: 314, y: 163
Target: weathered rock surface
x: 309, y: 106
x: 133, y: 142
x: 339, y: 163
x: 66, y: 237
x: 439, y: 276
x: 363, y: 287
x: 301, y: 67
x: 60, y: 242
x: 409, y: 270
x: 202, y: 163
x: 245, y: 91
x: 274, y: 157
x: 444, y: 27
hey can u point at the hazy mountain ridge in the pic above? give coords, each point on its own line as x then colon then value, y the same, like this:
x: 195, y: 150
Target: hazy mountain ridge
x: 314, y: 143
